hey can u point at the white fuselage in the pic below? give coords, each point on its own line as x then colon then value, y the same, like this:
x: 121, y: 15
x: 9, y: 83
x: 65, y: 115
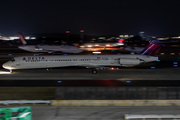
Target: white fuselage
x: 92, y: 61
x: 50, y: 48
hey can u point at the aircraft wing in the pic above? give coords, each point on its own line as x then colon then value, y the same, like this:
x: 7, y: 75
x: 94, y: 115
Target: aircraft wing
x: 88, y: 65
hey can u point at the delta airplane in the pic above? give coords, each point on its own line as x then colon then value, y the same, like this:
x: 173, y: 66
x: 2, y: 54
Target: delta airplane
x: 47, y: 48
x: 94, y: 62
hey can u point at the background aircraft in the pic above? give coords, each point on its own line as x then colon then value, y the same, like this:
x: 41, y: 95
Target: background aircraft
x: 47, y: 48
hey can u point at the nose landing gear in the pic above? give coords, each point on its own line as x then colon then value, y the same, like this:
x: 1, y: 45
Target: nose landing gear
x: 94, y: 71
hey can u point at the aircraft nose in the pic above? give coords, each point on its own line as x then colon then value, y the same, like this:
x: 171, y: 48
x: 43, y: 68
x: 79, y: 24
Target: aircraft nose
x: 6, y: 66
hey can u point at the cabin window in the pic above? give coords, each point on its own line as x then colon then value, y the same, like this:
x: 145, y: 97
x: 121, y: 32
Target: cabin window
x: 12, y: 59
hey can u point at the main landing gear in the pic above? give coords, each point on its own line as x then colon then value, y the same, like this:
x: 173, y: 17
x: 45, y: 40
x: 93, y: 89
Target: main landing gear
x: 94, y: 71
x: 11, y: 71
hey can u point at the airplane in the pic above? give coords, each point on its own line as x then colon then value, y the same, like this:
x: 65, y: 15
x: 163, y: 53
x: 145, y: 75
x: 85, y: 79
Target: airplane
x: 94, y: 62
x: 139, y: 49
x: 133, y: 49
x: 91, y: 46
x: 47, y: 48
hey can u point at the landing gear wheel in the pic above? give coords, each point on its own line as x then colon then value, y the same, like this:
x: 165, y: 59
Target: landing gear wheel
x: 94, y: 71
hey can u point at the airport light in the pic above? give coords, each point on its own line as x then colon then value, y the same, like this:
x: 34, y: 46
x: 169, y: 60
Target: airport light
x: 81, y: 31
x: 162, y: 53
x: 96, y: 52
x: 33, y: 38
x: 152, y: 67
x: 27, y: 37
x: 96, y: 45
x: 108, y: 45
x: 67, y: 31
x: 112, y: 68
x: 132, y: 53
x: 89, y: 45
x: 175, y: 62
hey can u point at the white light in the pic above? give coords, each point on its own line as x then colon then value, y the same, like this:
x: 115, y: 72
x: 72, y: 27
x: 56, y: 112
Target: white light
x: 107, y: 45
x: 27, y: 37
x: 33, y: 37
x: 89, y: 45
x: 97, y: 45
x: 120, y: 43
x: 96, y: 52
x: 5, y: 72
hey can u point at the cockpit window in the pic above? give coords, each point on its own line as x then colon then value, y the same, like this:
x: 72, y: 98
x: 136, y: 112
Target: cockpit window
x: 12, y: 59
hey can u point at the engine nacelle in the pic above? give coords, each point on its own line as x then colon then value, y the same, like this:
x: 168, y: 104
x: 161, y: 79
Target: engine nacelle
x: 130, y: 61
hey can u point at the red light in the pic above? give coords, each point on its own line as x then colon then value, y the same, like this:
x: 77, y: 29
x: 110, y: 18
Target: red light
x: 112, y: 68
x: 81, y: 30
x: 121, y: 40
x: 67, y: 31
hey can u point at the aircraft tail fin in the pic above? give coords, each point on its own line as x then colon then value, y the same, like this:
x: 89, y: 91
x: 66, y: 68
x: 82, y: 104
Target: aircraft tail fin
x: 152, y: 49
x: 22, y: 38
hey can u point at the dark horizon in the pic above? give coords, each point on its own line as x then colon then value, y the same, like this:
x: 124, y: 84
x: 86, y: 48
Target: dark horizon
x: 158, y: 18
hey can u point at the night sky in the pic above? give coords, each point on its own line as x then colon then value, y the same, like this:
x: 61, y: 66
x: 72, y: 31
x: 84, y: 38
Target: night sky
x: 96, y: 17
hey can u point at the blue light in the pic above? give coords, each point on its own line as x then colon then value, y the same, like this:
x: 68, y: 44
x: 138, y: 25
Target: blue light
x: 59, y: 81
x: 112, y: 50
x: 65, y: 54
x: 152, y: 67
x: 128, y: 81
x: 100, y: 40
x: 175, y: 62
x: 175, y: 65
x: 142, y: 44
x: 158, y: 60
x: 118, y: 53
x: 9, y: 54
